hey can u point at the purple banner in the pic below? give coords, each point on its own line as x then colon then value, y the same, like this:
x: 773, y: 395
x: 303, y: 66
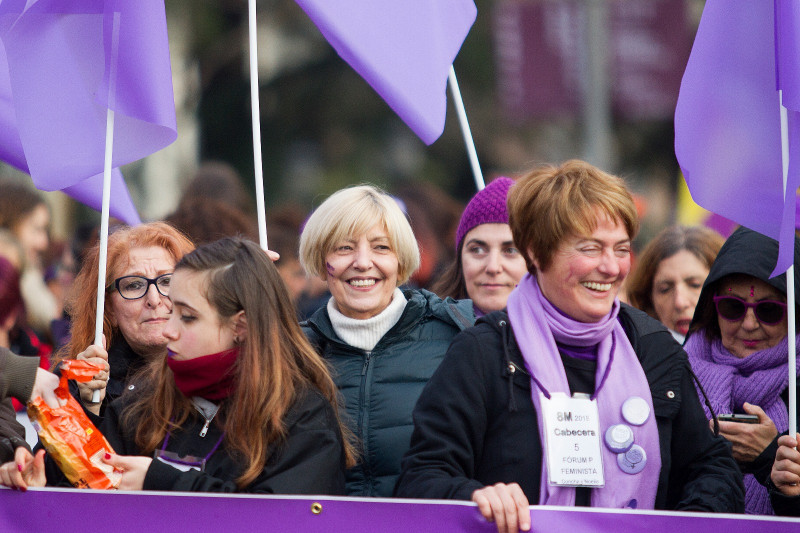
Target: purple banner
x: 66, y: 510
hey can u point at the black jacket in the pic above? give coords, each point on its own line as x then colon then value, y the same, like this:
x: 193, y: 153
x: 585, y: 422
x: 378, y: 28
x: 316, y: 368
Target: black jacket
x: 123, y: 364
x: 17, y: 374
x: 310, y: 460
x: 475, y: 424
x: 380, y: 388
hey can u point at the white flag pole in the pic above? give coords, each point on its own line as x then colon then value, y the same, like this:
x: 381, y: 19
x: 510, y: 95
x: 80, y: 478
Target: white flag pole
x: 259, y: 169
x: 790, y: 298
x: 466, y: 132
x: 101, y: 271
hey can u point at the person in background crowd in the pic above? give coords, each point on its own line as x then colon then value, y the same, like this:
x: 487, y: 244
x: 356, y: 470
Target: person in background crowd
x: 286, y: 242
x: 240, y: 402
x: 11, y: 249
x: 17, y: 373
x: 669, y: 273
x: 219, y: 181
x: 489, y: 427
x: 487, y: 266
x: 382, y: 343
x: 433, y: 215
x: 285, y: 223
x: 16, y: 334
x: 206, y: 220
x: 738, y: 348
x: 24, y: 212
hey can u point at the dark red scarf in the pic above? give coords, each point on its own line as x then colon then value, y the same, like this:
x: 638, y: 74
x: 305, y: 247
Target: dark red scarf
x: 208, y: 376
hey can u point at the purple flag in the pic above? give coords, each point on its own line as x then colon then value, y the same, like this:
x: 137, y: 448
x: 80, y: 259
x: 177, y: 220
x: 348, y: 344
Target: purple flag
x: 89, y: 191
x: 727, y: 121
x: 403, y: 49
x: 60, y: 57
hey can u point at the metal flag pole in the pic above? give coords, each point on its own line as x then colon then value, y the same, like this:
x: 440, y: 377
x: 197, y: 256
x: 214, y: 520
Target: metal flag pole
x: 790, y: 298
x: 104, y: 213
x: 466, y: 132
x: 259, y: 169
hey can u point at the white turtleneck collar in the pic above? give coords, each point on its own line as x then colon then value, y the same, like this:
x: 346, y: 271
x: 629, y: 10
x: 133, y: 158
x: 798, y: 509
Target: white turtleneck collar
x: 365, y: 333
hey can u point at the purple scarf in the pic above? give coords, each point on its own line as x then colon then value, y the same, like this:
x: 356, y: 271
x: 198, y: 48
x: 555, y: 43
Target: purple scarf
x: 538, y: 326
x: 729, y: 381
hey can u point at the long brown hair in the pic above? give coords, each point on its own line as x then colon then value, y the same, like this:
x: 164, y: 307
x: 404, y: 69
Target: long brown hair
x: 451, y: 283
x: 276, y: 361
x: 82, y: 302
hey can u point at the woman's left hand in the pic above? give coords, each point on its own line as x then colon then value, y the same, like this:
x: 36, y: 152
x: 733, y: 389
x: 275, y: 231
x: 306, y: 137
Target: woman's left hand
x: 133, y: 468
x: 749, y: 440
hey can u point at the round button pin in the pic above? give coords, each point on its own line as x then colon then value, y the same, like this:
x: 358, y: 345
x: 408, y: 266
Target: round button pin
x: 633, y: 461
x: 619, y: 438
x: 635, y: 410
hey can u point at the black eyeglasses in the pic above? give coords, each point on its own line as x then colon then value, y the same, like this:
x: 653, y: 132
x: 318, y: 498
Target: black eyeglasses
x: 134, y: 287
x: 768, y: 312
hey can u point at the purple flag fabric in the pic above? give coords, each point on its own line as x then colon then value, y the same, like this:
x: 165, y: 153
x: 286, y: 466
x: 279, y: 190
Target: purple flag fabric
x: 404, y: 50
x: 727, y: 121
x: 60, y: 58
x: 82, y: 510
x: 89, y: 191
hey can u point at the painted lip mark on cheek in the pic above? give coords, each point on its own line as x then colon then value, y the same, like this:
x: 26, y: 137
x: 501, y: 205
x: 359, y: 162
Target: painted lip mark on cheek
x: 330, y: 268
x: 752, y: 290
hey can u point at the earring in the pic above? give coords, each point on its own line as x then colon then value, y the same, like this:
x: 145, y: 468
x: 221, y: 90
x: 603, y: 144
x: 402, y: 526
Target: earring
x: 236, y: 339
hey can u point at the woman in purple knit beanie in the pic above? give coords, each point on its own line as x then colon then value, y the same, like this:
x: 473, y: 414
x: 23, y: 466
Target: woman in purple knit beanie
x: 487, y: 266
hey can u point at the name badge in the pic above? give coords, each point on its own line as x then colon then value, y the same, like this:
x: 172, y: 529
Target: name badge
x: 572, y: 441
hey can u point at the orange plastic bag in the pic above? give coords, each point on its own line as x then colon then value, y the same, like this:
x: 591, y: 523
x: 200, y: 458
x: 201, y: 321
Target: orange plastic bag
x: 68, y: 435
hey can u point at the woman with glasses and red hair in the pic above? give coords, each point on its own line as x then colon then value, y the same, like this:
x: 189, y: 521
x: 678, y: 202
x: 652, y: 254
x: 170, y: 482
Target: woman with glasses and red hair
x: 140, y: 264
x: 737, y: 345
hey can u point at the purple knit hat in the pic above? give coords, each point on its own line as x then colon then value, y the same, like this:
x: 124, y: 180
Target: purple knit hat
x: 486, y: 207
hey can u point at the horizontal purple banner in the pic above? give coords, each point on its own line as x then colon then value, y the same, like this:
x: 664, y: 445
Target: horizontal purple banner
x: 66, y: 510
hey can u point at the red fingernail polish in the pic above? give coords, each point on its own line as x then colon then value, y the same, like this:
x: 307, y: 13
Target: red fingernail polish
x: 108, y: 456
x: 19, y: 467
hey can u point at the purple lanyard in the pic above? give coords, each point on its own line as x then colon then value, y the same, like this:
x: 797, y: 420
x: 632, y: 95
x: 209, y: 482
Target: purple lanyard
x: 193, y: 463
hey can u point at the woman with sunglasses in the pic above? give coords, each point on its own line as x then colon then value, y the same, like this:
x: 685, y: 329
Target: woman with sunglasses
x: 737, y: 345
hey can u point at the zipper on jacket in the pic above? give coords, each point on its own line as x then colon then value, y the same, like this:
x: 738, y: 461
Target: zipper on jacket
x: 362, y: 394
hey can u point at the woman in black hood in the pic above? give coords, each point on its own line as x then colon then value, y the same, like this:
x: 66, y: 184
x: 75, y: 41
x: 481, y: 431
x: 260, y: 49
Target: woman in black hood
x: 737, y: 345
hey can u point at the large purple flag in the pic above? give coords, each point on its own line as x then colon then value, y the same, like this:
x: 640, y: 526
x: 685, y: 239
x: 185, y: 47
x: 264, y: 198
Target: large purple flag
x: 60, y: 57
x: 403, y: 49
x: 89, y: 191
x: 727, y: 121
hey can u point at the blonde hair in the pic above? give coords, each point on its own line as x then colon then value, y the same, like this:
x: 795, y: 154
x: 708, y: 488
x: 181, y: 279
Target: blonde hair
x: 552, y: 203
x: 352, y: 212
